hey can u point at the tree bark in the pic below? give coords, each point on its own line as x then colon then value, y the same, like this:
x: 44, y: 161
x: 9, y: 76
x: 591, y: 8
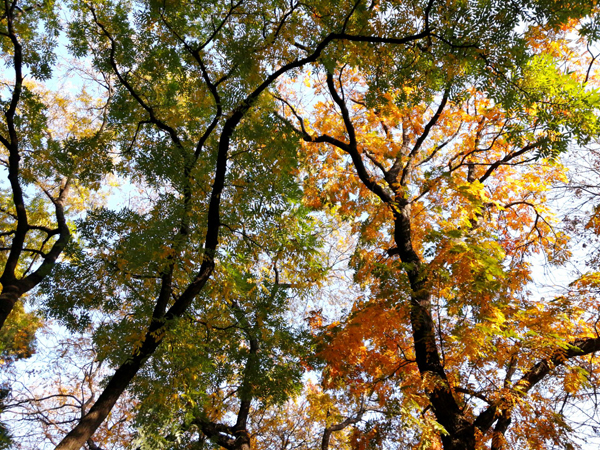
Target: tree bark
x: 498, y: 439
x: 9, y: 296
x: 338, y: 427
x: 86, y: 427
x: 461, y: 432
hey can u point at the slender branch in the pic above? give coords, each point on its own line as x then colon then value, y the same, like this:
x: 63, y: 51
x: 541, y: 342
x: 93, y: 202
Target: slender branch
x: 28, y: 250
x: 587, y: 74
x: 153, y: 118
x: 510, y: 157
x: 409, y: 162
x: 221, y: 25
x: 350, y: 14
x: 212, y: 87
x: 473, y: 393
x: 135, y: 135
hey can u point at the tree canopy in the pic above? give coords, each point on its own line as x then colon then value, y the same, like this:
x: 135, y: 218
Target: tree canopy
x: 299, y: 225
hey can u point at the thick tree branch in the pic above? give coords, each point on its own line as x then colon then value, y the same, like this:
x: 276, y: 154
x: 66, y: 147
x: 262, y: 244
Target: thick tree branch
x: 14, y: 158
x: 509, y: 157
x: 30, y: 281
x: 352, y: 147
x: 325, y: 440
x: 13, y: 289
x: 537, y: 373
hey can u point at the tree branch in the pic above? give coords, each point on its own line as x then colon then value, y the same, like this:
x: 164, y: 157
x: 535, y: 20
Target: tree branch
x: 533, y: 376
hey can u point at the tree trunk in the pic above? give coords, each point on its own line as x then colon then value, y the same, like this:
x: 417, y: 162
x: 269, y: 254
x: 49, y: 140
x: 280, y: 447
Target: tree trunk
x: 243, y: 441
x: 459, y: 438
x: 8, y: 298
x: 461, y: 432
x: 86, y: 427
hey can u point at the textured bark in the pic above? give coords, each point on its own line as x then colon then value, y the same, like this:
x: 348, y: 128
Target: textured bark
x: 461, y: 432
x: 8, y: 298
x: 498, y: 439
x: 338, y: 427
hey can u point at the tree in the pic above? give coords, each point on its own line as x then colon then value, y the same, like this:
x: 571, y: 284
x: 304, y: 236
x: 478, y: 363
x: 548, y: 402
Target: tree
x: 44, y: 155
x: 459, y: 180
x: 49, y: 143
x: 220, y: 83
x: 434, y: 146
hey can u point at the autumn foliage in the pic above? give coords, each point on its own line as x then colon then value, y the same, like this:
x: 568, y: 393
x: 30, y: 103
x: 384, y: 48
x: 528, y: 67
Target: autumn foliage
x: 299, y: 225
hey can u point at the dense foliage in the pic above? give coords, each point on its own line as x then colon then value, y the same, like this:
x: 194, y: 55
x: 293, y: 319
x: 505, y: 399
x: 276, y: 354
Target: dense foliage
x: 299, y: 225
